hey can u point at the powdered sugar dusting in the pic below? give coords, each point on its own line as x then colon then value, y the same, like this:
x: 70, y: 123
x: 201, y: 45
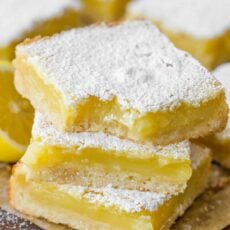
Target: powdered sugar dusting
x: 126, y: 200
x: 132, y: 61
x: 222, y: 73
x: 198, y: 18
x: 18, y: 17
x: 46, y: 132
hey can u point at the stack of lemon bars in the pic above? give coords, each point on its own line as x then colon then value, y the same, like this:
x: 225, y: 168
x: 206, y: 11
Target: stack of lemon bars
x: 116, y: 107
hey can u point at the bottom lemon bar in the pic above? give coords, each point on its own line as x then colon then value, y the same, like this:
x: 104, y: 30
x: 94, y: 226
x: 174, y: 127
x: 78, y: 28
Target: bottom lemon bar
x: 99, y: 159
x: 220, y: 142
x: 105, y: 208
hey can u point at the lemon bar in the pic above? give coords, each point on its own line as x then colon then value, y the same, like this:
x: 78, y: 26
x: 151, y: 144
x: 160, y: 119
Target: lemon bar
x: 98, y: 159
x: 220, y: 142
x: 105, y: 208
x: 199, y: 27
x: 104, y: 10
x: 109, y: 78
x: 30, y: 18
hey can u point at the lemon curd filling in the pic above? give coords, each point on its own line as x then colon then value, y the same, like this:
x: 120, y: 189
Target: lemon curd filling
x: 98, y: 167
x: 158, y: 127
x: 104, y: 10
x: 105, y: 208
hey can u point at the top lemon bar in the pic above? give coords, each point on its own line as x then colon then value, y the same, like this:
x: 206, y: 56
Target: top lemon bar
x: 28, y: 18
x: 200, y: 27
x: 125, y: 79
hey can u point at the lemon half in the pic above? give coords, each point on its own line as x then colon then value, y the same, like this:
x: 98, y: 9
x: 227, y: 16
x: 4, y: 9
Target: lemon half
x: 16, y: 117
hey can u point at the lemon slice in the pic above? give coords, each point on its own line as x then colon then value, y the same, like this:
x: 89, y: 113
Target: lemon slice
x: 16, y: 117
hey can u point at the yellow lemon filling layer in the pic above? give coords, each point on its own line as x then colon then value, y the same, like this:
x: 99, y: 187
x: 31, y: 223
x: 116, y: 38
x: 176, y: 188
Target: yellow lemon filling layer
x: 101, y: 167
x: 158, y: 127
